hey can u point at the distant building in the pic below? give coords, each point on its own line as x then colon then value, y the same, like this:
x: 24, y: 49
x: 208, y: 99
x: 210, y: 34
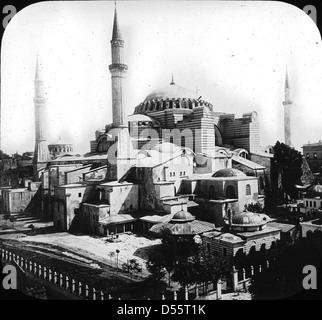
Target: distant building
x: 313, y: 154
x: 60, y: 147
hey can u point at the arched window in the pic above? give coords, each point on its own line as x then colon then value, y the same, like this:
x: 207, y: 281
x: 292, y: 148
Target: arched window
x: 171, y: 139
x: 248, y: 190
x: 183, y: 142
x: 230, y: 192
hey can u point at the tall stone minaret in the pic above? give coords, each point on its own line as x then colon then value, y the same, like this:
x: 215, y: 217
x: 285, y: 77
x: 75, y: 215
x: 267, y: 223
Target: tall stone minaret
x: 120, y: 154
x: 287, y: 113
x: 41, y: 154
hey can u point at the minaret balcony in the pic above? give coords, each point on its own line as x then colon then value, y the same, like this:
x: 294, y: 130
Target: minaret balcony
x: 118, y: 67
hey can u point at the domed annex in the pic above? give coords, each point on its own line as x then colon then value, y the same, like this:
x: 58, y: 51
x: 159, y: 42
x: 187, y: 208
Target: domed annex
x: 183, y: 223
x: 229, y: 172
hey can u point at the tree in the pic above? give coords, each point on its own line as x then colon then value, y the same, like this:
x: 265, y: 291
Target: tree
x: 4, y: 155
x: 286, y: 170
x: 132, y: 266
x: 254, y: 207
x: 156, y: 267
x: 307, y: 175
x: 111, y: 255
x: 284, y: 278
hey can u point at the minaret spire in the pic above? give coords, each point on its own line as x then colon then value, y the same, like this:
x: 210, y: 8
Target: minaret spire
x: 287, y: 111
x: 116, y: 35
x: 41, y: 154
x: 120, y: 154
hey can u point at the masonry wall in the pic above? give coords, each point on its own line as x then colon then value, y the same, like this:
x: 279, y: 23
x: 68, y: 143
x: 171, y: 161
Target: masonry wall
x: 76, y: 175
x: 15, y: 201
x: 121, y: 197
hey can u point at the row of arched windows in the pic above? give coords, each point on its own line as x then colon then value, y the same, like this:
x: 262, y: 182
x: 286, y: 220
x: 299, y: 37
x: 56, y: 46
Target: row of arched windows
x: 230, y: 192
x: 170, y: 104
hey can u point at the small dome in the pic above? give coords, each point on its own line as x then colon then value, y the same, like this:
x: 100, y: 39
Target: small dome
x: 247, y: 218
x: 314, y: 191
x: 182, y: 216
x: 230, y: 172
x: 170, y: 92
x: 166, y: 147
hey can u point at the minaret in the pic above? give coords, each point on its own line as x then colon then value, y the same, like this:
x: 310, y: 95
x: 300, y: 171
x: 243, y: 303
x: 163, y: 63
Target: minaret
x: 287, y: 113
x: 120, y: 153
x: 41, y: 154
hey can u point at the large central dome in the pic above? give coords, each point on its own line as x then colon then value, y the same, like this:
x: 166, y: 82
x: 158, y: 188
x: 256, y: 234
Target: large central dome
x: 171, y: 97
x: 170, y: 92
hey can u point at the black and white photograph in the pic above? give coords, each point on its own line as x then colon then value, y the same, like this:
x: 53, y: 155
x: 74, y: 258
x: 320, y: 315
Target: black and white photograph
x: 161, y: 150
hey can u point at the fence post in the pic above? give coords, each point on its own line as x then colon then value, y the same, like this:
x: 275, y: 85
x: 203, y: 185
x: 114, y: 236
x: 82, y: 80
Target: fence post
x: 175, y: 297
x: 73, y: 286
x: 197, y: 291
x: 102, y: 295
x: 219, y: 289
x: 55, y: 277
x: 235, y: 279
x: 49, y: 275
x: 163, y: 297
x: 94, y: 294
x: 252, y: 270
x: 39, y: 270
x: 260, y: 268
x: 79, y: 288
x: 244, y: 274
x: 66, y: 282
x: 86, y: 291
x: 35, y: 268
x: 7, y: 255
x: 267, y: 264
x: 45, y: 273
x: 26, y: 265
x: 10, y: 256
x: 60, y: 280
x: 186, y: 293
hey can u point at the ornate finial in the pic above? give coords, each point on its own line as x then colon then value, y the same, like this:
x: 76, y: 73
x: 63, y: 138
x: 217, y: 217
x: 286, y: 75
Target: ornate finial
x: 286, y: 80
x: 172, y: 82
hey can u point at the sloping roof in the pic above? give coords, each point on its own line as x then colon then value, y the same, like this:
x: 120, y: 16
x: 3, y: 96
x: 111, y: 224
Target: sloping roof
x: 188, y: 228
x: 263, y: 154
x: 119, y: 218
x: 284, y: 227
x: 247, y: 163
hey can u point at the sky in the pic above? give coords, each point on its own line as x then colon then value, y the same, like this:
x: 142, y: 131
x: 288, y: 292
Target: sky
x: 235, y: 52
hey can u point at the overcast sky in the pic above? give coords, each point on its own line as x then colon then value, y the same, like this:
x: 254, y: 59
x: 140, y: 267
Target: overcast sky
x: 236, y: 53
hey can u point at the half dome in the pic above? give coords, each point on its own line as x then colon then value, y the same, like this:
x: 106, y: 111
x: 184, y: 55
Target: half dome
x: 229, y: 172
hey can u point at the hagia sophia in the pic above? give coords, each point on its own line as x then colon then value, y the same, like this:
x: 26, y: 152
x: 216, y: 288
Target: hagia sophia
x: 176, y: 163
